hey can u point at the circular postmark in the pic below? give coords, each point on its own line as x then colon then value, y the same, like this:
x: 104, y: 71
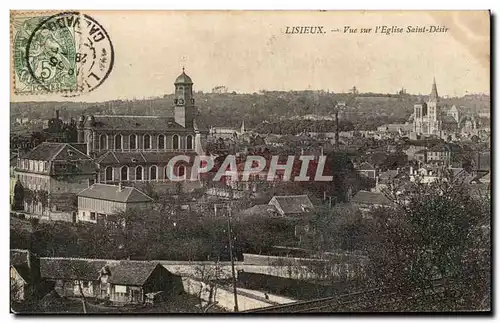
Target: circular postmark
x: 69, y: 52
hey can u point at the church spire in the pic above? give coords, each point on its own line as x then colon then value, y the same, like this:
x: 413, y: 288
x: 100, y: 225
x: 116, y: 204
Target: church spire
x: 434, y: 93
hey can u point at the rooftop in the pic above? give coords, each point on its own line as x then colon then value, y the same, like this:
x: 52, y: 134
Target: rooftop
x: 293, y: 204
x: 373, y: 198
x: 50, y: 151
x: 113, y: 193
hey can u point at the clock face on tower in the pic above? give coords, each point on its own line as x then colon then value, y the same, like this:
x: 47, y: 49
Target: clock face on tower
x: 180, y: 101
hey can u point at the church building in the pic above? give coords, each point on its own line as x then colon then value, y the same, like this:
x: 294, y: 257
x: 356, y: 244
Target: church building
x: 131, y: 148
x: 427, y: 115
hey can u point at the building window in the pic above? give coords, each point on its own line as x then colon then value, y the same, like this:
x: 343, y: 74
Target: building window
x: 40, y: 166
x: 189, y: 142
x: 181, y: 171
x: 109, y: 173
x: 138, y: 173
x: 175, y: 142
x: 92, y: 215
x: 118, y: 141
x: 85, y: 284
x: 124, y: 173
x: 147, y: 142
x: 153, y: 172
x: 161, y: 142
x: 103, y: 142
x: 132, y: 141
x: 45, y: 166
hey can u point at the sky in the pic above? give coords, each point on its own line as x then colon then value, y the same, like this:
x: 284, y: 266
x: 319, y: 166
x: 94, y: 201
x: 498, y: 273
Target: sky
x: 250, y: 51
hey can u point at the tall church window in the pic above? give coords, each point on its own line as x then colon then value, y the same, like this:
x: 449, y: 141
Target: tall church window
x: 124, y: 173
x: 132, y: 141
x: 175, y: 142
x: 181, y: 171
x: 153, y: 172
x: 103, y: 142
x: 161, y: 142
x: 108, y: 173
x: 189, y: 142
x: 118, y: 141
x: 147, y: 142
x: 138, y: 173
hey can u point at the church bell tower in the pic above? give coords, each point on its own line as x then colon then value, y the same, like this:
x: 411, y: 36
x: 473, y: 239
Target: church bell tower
x: 184, y: 110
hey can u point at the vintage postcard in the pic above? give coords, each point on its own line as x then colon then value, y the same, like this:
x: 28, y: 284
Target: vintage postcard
x: 250, y: 162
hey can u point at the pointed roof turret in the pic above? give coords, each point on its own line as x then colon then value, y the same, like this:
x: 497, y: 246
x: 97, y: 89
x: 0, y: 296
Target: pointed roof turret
x: 434, y: 93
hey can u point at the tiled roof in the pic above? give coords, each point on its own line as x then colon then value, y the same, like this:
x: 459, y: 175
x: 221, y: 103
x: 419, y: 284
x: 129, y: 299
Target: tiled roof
x: 373, y: 198
x: 139, y: 157
x: 123, y: 122
x: 365, y: 166
x: 260, y: 209
x: 112, y: 193
x: 293, y: 204
x: 122, y: 272
x: 68, y: 268
x: 48, y: 151
x: 131, y: 272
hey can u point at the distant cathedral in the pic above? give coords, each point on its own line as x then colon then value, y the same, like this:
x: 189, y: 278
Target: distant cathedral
x: 427, y: 115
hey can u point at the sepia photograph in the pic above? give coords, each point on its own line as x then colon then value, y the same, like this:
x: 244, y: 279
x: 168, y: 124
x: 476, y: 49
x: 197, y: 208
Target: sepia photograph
x: 250, y: 162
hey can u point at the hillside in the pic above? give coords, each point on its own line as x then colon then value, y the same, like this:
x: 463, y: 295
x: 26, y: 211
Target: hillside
x: 366, y: 110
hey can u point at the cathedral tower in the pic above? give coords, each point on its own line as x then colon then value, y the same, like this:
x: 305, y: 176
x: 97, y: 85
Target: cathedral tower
x: 433, y: 108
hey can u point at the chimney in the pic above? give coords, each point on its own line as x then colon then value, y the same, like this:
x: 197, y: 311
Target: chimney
x: 120, y: 188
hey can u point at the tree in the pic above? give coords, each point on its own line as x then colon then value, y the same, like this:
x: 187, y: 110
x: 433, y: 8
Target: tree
x: 18, y: 204
x: 437, y: 233
x: 211, y: 276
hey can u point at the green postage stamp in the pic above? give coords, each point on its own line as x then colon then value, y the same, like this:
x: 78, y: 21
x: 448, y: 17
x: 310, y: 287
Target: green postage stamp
x: 66, y: 52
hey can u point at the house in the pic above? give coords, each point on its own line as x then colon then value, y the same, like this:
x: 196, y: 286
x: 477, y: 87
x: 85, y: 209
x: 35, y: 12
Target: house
x: 98, y: 201
x: 24, y: 275
x: 366, y: 200
x: 292, y: 205
x: 51, y: 175
x: 366, y: 169
x: 68, y: 275
x: 130, y: 281
x: 120, y: 281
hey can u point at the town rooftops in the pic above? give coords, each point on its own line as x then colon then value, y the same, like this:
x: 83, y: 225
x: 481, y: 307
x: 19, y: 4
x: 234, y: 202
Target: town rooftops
x: 115, y: 193
x: 370, y: 198
x: 292, y: 204
x: 50, y: 151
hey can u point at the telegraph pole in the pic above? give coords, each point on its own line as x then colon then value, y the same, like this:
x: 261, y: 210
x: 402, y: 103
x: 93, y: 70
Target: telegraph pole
x: 232, y: 259
x: 230, y: 247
